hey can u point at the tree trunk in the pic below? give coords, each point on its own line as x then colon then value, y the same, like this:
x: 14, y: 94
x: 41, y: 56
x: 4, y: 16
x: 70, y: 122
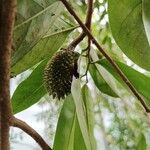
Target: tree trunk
x: 7, y: 15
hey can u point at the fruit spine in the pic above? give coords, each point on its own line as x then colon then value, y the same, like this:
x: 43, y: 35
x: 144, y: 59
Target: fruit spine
x: 59, y: 72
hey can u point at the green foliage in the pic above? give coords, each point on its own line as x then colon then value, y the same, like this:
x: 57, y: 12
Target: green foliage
x: 25, y: 97
x: 78, y: 138
x: 36, y: 33
x: 142, y: 143
x: 100, y: 82
x: 45, y: 48
x: 30, y: 91
x: 68, y: 134
x: 140, y: 81
x: 84, y: 116
x: 87, y: 99
x: 128, y: 30
x: 64, y: 137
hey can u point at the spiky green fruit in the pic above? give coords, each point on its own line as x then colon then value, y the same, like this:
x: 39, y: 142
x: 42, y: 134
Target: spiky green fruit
x: 59, y: 71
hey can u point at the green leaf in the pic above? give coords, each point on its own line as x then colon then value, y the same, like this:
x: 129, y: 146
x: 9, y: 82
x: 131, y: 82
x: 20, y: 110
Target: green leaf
x: 89, y: 109
x: 68, y: 133
x: 38, y: 31
x: 140, y: 81
x: 64, y: 137
x: 116, y: 87
x: 78, y: 138
x: 32, y: 23
x: 30, y: 91
x: 142, y: 143
x: 80, y: 110
x: 146, y: 17
x: 45, y: 48
x: 100, y: 83
x: 125, y: 17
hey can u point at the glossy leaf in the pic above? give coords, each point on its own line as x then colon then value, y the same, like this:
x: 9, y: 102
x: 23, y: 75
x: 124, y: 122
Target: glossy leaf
x: 30, y: 91
x: 80, y: 110
x: 64, y: 136
x: 146, y: 17
x: 125, y: 17
x: 100, y: 83
x: 140, y: 81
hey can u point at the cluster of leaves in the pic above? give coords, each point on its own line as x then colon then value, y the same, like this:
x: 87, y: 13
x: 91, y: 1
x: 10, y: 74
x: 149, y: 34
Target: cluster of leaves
x: 42, y: 27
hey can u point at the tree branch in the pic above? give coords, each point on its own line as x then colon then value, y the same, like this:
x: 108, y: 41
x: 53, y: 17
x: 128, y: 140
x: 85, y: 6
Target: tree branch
x: 89, y: 14
x: 112, y: 62
x: 30, y: 131
x: 7, y: 17
x: 75, y: 42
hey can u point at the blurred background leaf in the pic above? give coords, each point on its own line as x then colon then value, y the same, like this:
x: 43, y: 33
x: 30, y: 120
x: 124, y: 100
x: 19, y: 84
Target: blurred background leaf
x: 142, y: 143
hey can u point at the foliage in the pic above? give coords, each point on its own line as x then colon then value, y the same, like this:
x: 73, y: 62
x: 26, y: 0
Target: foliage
x: 99, y: 99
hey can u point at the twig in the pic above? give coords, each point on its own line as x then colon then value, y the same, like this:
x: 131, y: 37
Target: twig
x: 75, y: 42
x: 7, y: 17
x: 30, y: 131
x: 88, y: 25
x: 112, y: 62
x: 88, y: 56
x: 89, y: 14
x: 89, y: 60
